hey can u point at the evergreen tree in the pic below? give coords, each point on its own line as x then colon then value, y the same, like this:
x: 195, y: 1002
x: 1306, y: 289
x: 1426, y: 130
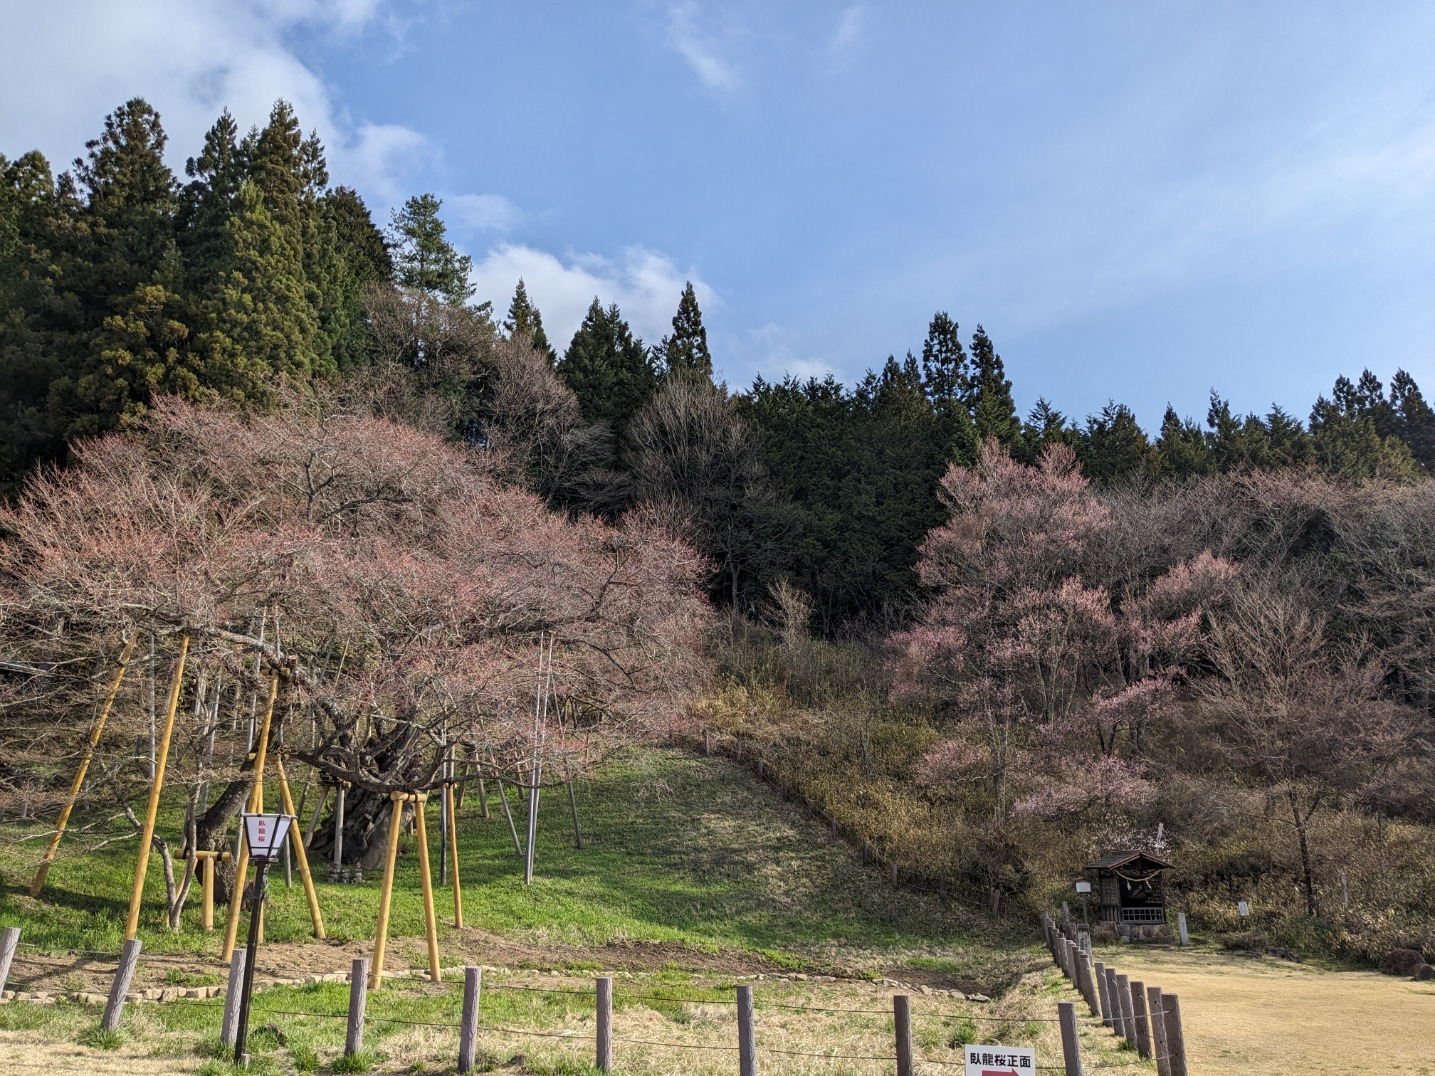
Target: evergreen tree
x: 609, y: 370
x: 1415, y: 418
x: 1181, y: 451
x: 945, y: 372
x: 686, y: 349
x: 992, y: 409
x: 424, y: 259
x: 1346, y: 442
x: 362, y: 262
x: 1045, y: 425
x: 208, y: 200
x: 1113, y: 446
x: 524, y: 320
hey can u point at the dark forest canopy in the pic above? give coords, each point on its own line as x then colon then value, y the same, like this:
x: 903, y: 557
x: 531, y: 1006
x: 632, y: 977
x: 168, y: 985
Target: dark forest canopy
x: 119, y: 280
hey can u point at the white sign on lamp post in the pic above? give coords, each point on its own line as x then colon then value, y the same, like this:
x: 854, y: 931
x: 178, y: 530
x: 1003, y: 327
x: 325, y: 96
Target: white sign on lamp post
x: 265, y: 834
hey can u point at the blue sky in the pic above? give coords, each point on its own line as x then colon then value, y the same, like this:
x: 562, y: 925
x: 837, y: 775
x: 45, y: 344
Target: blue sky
x: 1139, y: 201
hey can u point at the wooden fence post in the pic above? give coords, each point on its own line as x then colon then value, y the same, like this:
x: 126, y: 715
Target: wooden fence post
x: 129, y: 958
x: 1070, y: 1045
x: 1143, y: 1029
x: 902, y: 1021
x: 605, y: 1024
x: 1128, y: 1010
x: 232, y: 994
x: 358, y: 1002
x: 1088, y: 985
x: 1103, y: 994
x: 1158, y: 1031
x: 1118, y: 1018
x: 1175, y: 1038
x: 468, y: 1024
x: 9, y: 939
x: 746, y: 1033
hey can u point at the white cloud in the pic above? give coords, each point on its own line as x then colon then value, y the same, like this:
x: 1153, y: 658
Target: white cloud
x: 645, y: 284
x: 484, y: 212
x: 849, y: 32
x: 64, y: 66
x: 700, y: 49
x: 773, y: 350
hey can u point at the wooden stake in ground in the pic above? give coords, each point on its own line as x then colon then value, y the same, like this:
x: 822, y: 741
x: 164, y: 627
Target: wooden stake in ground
x: 206, y: 886
x: 303, y: 857
x: 386, y: 892
x: 132, y: 921
x: 256, y: 804
x: 426, y: 879
x: 453, y: 860
x: 79, y: 781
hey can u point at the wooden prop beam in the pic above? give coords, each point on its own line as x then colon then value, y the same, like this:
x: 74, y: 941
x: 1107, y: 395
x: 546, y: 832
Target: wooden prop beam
x: 256, y: 804
x: 430, y: 918
x: 303, y: 857
x: 453, y: 860
x: 79, y: 781
x: 132, y: 921
x: 386, y: 893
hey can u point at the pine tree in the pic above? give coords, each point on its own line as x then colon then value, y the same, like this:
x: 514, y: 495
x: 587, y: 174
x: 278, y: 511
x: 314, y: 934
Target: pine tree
x: 686, y: 349
x: 1182, y: 450
x: 609, y: 370
x: 423, y: 257
x: 363, y: 262
x: 993, y: 412
x: 524, y: 320
x: 1044, y: 426
x: 208, y: 200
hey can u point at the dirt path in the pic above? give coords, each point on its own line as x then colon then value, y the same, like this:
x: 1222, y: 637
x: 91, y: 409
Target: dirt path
x: 1245, y: 1015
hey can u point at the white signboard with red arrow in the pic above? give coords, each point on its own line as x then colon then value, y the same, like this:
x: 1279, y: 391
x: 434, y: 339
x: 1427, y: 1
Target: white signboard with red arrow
x: 1001, y: 1061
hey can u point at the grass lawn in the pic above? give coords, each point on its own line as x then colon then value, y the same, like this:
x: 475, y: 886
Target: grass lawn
x: 678, y: 849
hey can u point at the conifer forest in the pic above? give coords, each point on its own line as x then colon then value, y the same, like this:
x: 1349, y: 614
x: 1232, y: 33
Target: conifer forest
x: 239, y: 411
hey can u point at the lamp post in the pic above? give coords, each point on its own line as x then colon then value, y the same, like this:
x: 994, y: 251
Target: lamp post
x: 265, y: 834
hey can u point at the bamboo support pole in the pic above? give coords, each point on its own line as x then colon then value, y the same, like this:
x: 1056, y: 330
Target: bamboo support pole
x: 79, y: 781
x: 453, y: 861
x: 430, y: 918
x: 256, y: 804
x: 132, y: 921
x: 304, y: 876
x: 386, y: 893
x: 206, y: 887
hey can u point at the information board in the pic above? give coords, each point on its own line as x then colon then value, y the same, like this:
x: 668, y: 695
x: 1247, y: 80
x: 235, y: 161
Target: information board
x: 1000, y: 1060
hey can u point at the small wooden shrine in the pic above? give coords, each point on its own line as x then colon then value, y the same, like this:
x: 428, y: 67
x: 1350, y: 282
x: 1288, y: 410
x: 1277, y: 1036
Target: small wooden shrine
x: 1128, y: 890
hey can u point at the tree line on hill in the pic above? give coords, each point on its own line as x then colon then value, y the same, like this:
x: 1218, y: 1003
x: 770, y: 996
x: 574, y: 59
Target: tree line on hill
x: 119, y: 281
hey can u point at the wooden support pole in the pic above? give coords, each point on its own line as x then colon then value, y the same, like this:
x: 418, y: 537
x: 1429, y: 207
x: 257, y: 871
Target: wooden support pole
x: 426, y: 879
x: 132, y: 921
x: 9, y: 939
x: 605, y: 1024
x: 1175, y: 1037
x: 1070, y: 1044
x: 206, y: 886
x: 256, y: 804
x: 304, y: 876
x: 314, y: 818
x: 124, y: 974
x: 482, y: 798
x: 339, y: 799
x: 358, y: 1001
x: 453, y: 860
x: 1103, y: 994
x: 229, y: 1025
x: 508, y: 814
x: 386, y: 893
x: 79, y: 781
x: 468, y: 1022
x: 902, y: 1021
x: 1158, y: 1030
x: 746, y: 1033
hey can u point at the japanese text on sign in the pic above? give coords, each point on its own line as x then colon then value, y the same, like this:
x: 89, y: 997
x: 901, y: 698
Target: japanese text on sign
x: 1000, y: 1060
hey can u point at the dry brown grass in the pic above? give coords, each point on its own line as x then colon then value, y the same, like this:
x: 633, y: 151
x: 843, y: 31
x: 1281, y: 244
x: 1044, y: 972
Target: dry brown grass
x: 29, y: 1052
x: 1246, y: 1015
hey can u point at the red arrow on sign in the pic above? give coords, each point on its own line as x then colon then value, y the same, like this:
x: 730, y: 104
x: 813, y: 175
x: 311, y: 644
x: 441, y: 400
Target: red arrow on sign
x: 999, y: 1072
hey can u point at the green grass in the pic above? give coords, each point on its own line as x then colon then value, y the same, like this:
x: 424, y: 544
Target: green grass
x: 677, y: 849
